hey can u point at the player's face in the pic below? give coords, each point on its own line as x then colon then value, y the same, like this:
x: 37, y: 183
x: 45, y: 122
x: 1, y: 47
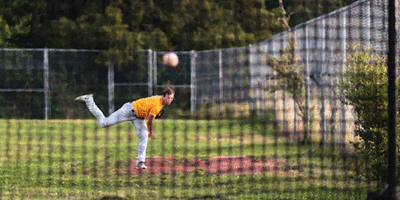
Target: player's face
x: 167, y: 99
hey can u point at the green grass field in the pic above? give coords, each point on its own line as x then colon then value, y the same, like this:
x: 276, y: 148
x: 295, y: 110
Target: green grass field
x: 77, y: 159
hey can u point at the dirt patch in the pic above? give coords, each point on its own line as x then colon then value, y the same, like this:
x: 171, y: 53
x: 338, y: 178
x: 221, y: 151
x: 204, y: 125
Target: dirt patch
x: 214, y: 165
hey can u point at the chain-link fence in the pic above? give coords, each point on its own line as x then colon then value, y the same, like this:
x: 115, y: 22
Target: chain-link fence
x: 246, y: 135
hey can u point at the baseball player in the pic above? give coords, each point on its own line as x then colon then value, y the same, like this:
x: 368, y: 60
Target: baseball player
x: 137, y: 112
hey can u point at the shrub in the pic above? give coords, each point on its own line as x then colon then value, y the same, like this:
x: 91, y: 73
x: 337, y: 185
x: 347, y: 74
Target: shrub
x: 365, y: 87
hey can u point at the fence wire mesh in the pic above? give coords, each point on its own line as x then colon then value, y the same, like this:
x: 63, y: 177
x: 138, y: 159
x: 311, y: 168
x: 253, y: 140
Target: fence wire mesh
x: 234, y: 131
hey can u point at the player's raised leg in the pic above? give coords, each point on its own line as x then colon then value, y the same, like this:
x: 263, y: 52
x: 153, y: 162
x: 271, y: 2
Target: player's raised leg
x: 125, y: 113
x: 91, y: 105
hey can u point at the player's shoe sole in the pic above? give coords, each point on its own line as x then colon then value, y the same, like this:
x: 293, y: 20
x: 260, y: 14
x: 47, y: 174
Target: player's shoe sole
x: 84, y: 98
x: 141, y: 165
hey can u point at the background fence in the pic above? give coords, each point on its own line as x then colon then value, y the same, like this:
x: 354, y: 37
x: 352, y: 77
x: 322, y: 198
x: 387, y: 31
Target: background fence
x: 222, y: 75
x: 212, y: 84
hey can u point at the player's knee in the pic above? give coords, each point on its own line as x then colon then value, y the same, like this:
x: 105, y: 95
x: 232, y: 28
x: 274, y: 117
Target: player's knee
x: 143, y: 135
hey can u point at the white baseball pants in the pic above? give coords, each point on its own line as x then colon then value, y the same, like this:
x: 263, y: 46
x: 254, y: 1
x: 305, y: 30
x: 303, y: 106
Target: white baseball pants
x: 125, y: 113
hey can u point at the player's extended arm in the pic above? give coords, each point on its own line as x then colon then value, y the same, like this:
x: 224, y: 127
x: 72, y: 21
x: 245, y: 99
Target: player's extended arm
x: 150, y: 122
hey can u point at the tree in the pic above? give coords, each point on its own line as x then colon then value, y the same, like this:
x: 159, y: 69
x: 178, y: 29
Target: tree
x: 5, y: 34
x: 288, y: 68
x: 14, y: 28
x: 364, y: 85
x: 160, y: 25
x: 120, y: 41
x: 304, y: 10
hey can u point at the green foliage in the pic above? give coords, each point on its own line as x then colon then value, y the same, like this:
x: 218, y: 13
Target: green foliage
x: 122, y: 26
x: 159, y: 25
x: 304, y: 10
x: 14, y: 28
x: 121, y: 42
x: 5, y: 33
x: 289, y: 74
x: 365, y: 87
x: 288, y: 70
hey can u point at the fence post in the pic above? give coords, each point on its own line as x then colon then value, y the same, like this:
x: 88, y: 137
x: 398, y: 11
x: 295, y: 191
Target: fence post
x: 343, y: 37
x: 392, y: 98
x: 253, y: 90
x: 150, y: 71
x: 307, y: 84
x: 367, y: 26
x: 221, y: 85
x: 322, y: 81
x: 46, y: 84
x: 193, y: 96
x: 110, y: 88
x: 155, y: 72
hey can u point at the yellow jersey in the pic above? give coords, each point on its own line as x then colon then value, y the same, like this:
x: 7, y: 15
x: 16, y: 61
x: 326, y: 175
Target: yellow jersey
x: 148, y: 106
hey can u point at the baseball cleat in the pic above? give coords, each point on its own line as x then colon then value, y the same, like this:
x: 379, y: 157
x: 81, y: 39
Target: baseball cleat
x: 141, y: 165
x: 84, y: 97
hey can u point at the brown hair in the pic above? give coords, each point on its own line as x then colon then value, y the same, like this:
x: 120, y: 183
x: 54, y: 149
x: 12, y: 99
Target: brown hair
x: 168, y: 91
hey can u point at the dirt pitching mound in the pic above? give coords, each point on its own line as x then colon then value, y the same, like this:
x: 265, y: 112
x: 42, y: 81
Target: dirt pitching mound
x: 214, y: 165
